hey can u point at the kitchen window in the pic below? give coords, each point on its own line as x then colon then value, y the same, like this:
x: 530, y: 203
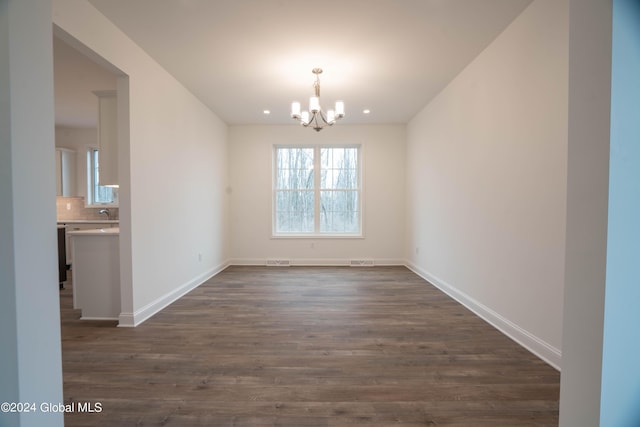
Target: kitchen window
x: 98, y: 194
x: 317, y: 191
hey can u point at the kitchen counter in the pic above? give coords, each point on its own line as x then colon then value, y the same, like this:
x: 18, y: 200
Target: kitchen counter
x: 95, y: 232
x: 88, y: 221
x: 73, y: 225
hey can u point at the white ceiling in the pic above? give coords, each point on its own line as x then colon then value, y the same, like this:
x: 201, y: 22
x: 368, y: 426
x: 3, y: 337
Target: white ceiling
x: 241, y: 57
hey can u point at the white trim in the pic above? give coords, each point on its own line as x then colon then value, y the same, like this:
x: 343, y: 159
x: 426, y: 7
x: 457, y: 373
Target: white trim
x: 315, y: 236
x: 317, y: 171
x: 126, y: 320
x: 97, y: 318
x: 248, y: 261
x: 320, y: 262
x: 535, y: 345
x: 280, y: 262
x: 362, y: 262
x: 129, y: 320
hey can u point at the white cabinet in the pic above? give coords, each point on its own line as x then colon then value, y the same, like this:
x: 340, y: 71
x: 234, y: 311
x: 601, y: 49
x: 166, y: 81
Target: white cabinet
x: 96, y: 273
x: 77, y: 225
x: 65, y: 172
x: 108, y: 136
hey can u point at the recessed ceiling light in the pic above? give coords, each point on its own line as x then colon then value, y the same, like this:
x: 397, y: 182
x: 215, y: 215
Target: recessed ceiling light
x: 366, y: 111
x: 266, y: 112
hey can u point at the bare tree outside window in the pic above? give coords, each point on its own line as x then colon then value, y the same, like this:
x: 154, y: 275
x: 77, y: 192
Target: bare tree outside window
x: 317, y: 190
x: 294, y: 190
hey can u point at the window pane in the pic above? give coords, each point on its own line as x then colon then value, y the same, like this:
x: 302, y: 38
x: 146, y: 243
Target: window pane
x: 294, y: 168
x: 294, y: 183
x: 294, y: 211
x: 99, y: 193
x: 339, y: 212
x: 339, y: 168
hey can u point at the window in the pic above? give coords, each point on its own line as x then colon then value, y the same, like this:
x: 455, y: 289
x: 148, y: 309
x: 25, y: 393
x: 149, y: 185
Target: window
x: 98, y: 194
x: 316, y: 190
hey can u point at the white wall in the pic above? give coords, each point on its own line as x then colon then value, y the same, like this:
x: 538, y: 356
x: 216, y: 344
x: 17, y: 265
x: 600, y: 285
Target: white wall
x: 173, y: 170
x: 486, y: 181
x: 30, y: 356
x: 587, y: 199
x: 250, y: 157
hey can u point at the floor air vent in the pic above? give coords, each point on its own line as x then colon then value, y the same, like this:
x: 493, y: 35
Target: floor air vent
x: 278, y: 263
x: 361, y: 263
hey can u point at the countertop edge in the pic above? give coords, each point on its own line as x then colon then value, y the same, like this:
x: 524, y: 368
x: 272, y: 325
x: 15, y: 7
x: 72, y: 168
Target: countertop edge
x: 87, y: 221
x: 113, y: 231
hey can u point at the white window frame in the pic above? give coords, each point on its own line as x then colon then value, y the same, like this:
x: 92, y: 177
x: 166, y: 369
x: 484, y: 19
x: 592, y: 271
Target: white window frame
x: 90, y: 200
x: 316, y: 233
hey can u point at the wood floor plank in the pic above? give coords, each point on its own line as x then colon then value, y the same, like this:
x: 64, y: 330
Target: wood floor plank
x: 305, y: 346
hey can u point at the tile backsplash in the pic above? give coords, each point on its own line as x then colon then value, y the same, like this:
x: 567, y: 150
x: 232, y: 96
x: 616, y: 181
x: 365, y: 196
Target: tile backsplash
x: 73, y: 208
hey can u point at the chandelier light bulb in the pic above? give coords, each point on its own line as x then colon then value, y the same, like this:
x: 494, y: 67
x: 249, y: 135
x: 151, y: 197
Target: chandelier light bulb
x: 314, y: 104
x: 339, y: 109
x: 304, y: 118
x: 295, y: 110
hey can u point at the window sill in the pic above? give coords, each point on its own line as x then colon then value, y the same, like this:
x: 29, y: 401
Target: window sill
x: 317, y: 236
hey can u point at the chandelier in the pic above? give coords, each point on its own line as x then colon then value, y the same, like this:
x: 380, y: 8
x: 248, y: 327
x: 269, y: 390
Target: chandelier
x: 315, y: 117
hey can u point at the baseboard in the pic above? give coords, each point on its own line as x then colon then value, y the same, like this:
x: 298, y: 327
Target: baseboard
x: 535, y: 345
x: 98, y: 318
x: 128, y: 320
x: 316, y: 262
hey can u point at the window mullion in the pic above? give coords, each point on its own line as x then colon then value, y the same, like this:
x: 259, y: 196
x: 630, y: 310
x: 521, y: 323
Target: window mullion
x: 316, y: 188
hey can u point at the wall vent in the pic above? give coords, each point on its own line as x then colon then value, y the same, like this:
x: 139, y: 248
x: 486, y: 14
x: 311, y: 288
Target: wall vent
x: 361, y: 263
x: 278, y: 263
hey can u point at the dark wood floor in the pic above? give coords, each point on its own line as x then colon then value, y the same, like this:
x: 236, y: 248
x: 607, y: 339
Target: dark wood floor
x: 298, y: 346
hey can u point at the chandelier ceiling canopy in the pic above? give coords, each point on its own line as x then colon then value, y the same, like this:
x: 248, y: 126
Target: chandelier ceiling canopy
x: 315, y: 117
